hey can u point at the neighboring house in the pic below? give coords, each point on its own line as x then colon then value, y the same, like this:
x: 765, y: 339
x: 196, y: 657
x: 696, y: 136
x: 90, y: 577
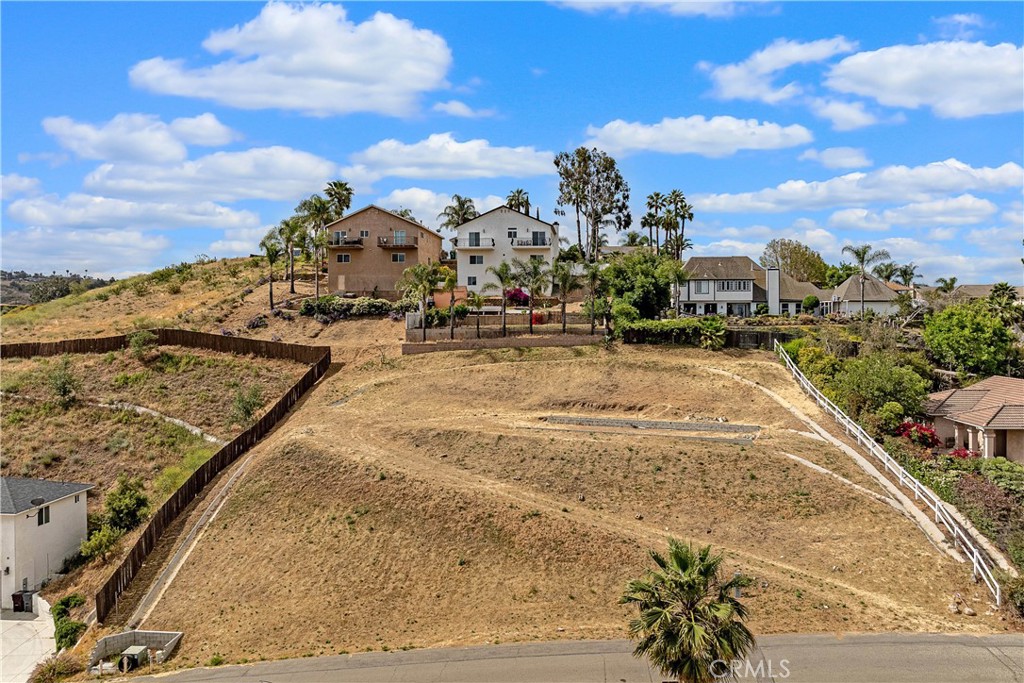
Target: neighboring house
x: 501, y: 234
x: 368, y: 250
x: 845, y: 299
x: 735, y: 285
x: 43, y: 523
x: 971, y: 292
x: 987, y: 417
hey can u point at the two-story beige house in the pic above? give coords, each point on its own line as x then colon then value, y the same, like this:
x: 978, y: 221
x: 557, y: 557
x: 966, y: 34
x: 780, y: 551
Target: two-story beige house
x: 368, y: 249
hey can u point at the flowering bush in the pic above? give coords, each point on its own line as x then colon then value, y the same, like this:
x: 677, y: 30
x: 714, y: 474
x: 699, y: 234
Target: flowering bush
x: 538, y: 318
x: 517, y: 297
x: 919, y: 434
x: 964, y: 454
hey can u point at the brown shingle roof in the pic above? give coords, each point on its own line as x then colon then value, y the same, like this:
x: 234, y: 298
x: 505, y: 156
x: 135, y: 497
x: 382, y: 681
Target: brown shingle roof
x: 874, y: 289
x: 996, y: 402
x: 981, y: 291
x: 722, y: 268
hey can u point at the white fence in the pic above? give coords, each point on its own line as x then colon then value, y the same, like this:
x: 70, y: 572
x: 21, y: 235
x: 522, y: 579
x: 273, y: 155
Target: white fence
x: 961, y: 538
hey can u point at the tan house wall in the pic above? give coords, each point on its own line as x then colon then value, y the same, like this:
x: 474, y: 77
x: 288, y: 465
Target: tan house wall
x: 371, y: 267
x: 1015, y: 445
x: 944, y: 429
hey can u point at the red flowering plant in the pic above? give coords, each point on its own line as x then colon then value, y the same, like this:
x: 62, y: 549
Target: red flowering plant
x: 517, y: 297
x: 964, y: 454
x: 919, y: 434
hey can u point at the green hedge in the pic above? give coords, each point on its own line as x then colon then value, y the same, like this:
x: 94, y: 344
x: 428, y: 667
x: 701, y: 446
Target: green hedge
x: 684, y: 331
x: 336, y: 307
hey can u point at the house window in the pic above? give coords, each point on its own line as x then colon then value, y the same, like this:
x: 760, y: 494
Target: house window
x: 76, y: 497
x: 512, y: 233
x: 364, y: 233
x: 540, y: 238
x: 785, y: 309
x: 344, y: 258
x: 398, y: 258
x: 476, y: 260
x: 474, y: 239
x: 537, y: 257
x: 400, y: 237
x: 733, y: 285
x: 471, y: 281
x: 700, y: 287
x: 43, y: 516
x: 339, y: 235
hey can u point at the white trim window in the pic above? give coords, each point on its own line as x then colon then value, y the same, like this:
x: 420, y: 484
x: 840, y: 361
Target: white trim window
x: 471, y: 281
x: 701, y: 287
x: 733, y: 285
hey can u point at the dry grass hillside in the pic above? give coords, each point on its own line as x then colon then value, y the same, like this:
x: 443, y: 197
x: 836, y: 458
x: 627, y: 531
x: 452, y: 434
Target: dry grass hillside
x: 426, y: 501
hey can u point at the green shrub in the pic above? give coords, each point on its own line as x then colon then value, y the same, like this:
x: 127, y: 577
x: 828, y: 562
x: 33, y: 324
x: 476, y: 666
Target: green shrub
x: 67, y: 633
x: 866, y: 384
x: 336, y: 308
x: 1013, y: 588
x: 712, y: 333
x: 56, y: 667
x: 969, y: 338
x: 127, y: 504
x: 141, y: 342
x: 809, y: 303
x: 761, y: 309
x: 624, y: 313
x: 63, y: 383
x: 245, y: 405
x: 140, y: 287
x: 101, y: 543
x: 173, y: 288
x: 62, y: 607
x: 890, y: 416
x: 684, y: 331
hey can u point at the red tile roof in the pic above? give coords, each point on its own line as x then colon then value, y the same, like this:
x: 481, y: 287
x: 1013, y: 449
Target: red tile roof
x: 996, y: 402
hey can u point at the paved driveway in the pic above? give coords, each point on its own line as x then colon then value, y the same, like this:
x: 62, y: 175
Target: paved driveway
x: 27, y: 638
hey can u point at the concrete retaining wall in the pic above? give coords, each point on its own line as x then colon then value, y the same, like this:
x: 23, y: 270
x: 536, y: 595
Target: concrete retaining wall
x: 410, y: 349
x: 653, y: 424
x: 163, y: 642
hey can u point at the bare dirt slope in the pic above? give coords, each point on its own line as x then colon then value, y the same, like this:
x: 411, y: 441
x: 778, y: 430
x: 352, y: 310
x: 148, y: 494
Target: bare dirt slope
x: 425, y: 502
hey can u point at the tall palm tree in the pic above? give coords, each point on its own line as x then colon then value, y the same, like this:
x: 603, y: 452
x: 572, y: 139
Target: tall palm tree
x: 946, y: 284
x: 273, y: 250
x: 449, y: 281
x: 592, y: 275
x: 420, y: 281
x: 656, y: 203
x: 649, y: 221
x: 476, y: 301
x: 317, y: 212
x: 681, y: 212
x: 289, y: 231
x: 906, y: 274
x: 1002, y: 300
x: 461, y: 210
x: 567, y: 282
x: 534, y: 275
x: 864, y: 258
x: 339, y: 194
x: 636, y: 239
x: 690, y: 624
x: 506, y: 280
x: 519, y: 200
x: 886, y: 271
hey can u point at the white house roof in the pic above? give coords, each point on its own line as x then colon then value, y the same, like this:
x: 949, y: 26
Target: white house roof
x: 17, y: 494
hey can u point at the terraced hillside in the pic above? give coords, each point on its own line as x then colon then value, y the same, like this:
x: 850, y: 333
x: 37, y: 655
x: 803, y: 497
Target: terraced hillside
x: 428, y: 501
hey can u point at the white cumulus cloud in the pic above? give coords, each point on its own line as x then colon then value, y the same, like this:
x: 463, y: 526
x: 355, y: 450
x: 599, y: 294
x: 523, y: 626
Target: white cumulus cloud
x: 427, y: 204
x: 718, y: 136
x: 955, y: 79
x: 753, y: 78
x: 843, y: 115
x: 838, y: 157
x: 14, y: 185
x: 441, y: 156
x: 103, y: 252
x: 462, y: 110
x: 138, y: 137
x: 312, y: 59
x: 678, y: 8
x: 961, y: 26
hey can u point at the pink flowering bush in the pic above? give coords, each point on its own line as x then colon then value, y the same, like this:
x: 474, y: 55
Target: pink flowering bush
x: 964, y: 454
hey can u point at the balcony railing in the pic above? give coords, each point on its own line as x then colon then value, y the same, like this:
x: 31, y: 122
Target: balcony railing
x: 408, y: 242
x: 346, y: 242
x: 482, y: 243
x: 530, y: 243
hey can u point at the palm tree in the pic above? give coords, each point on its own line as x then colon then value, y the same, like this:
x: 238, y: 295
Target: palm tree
x: 649, y: 221
x: 1002, y: 301
x: 534, y: 275
x: 272, y: 249
x: 420, y: 281
x: 636, y: 239
x: 592, y: 275
x: 886, y: 271
x: 656, y: 203
x: 946, y: 285
x: 290, y: 232
x: 317, y: 212
x: 681, y: 212
x: 519, y: 200
x: 906, y: 274
x: 406, y: 213
x: 460, y: 211
x: 567, y: 282
x: 476, y: 300
x: 690, y: 622
x: 864, y: 257
x: 449, y: 281
x: 506, y: 279
x: 339, y: 194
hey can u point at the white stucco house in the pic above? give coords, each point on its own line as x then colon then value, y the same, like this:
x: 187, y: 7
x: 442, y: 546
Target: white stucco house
x: 735, y: 285
x: 845, y: 299
x: 41, y: 524
x: 501, y: 234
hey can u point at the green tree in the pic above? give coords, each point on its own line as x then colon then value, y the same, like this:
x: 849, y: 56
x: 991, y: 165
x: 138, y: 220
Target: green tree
x: 273, y: 250
x: 449, y: 281
x: 886, y: 271
x: 316, y: 212
x: 590, y: 182
x: 519, y: 200
x: 63, y: 383
x: 461, y: 210
x: 420, y: 281
x: 406, y: 213
x: 866, y: 384
x: 533, y: 275
x: 969, y: 338
x: 689, y: 621
x: 506, y: 280
x: 906, y: 274
x: 679, y: 212
x: 339, y: 194
x: 809, y: 303
x: 946, y: 285
x: 837, y: 275
x: 1002, y: 301
x: 795, y: 259
x: 864, y: 257
x: 126, y: 506
x: 567, y: 282
x: 643, y: 280
x: 656, y: 204
x: 101, y: 542
x: 594, y: 277
x: 289, y: 231
x: 636, y: 239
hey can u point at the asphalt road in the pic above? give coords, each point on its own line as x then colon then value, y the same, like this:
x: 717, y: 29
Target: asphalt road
x: 884, y: 658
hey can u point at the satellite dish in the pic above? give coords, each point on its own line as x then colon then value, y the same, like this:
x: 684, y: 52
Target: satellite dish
x: 37, y: 501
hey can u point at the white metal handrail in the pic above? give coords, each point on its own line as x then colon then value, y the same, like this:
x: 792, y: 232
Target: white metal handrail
x: 961, y: 538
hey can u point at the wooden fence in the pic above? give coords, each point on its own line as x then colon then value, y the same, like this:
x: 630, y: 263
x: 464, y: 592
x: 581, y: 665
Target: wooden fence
x: 319, y: 359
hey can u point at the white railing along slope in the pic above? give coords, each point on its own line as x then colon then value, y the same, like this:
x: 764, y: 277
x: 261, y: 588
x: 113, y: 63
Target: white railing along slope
x: 961, y: 537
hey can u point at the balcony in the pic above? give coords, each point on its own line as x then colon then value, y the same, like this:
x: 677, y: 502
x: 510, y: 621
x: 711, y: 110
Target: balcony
x: 482, y: 243
x: 346, y: 243
x: 408, y: 242
x: 530, y: 243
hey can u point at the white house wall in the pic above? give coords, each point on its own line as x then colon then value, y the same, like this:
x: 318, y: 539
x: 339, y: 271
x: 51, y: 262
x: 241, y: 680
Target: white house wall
x: 495, y: 225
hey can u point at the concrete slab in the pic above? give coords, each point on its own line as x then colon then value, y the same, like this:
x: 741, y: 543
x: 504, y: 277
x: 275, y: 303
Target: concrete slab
x: 26, y: 640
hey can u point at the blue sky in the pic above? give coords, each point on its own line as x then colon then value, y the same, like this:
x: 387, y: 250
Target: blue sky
x: 139, y: 134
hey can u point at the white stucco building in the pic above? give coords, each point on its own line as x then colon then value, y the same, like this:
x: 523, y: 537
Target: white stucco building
x: 845, y: 299
x: 41, y: 523
x: 501, y: 234
x: 735, y: 286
